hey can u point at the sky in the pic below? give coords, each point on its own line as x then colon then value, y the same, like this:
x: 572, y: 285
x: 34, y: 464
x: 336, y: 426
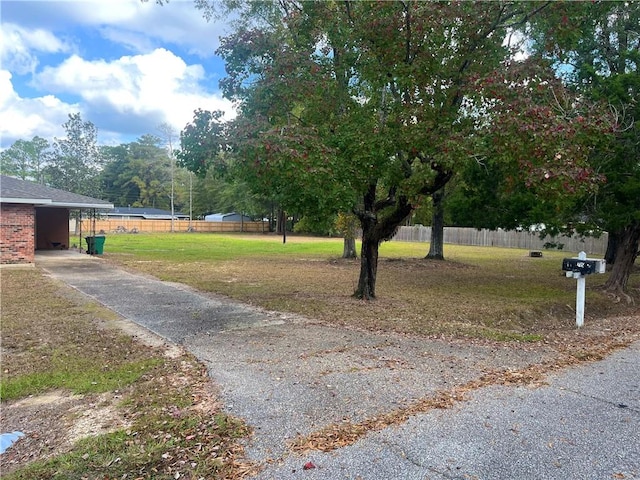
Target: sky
x: 125, y: 65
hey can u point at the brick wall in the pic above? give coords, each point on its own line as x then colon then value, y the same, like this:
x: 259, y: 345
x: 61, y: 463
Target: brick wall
x: 17, y: 233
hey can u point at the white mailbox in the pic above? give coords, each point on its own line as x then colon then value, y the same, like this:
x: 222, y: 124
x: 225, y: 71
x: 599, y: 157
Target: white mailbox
x: 577, y: 268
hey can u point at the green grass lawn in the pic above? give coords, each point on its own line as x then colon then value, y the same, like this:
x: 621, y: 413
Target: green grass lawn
x: 477, y: 292
x: 186, y: 247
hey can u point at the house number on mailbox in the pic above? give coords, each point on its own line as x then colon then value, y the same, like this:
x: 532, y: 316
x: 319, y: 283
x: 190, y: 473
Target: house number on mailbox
x: 577, y: 268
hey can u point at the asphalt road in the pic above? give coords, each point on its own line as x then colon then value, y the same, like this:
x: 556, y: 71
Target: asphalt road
x: 288, y: 376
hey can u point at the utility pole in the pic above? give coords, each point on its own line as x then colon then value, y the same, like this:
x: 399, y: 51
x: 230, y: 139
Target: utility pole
x: 168, y: 132
x: 172, y: 192
x: 190, y: 200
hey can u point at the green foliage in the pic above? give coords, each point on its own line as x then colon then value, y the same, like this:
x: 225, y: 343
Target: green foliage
x: 315, y: 225
x: 346, y: 225
x: 214, y: 193
x: 485, y: 198
x: 201, y: 143
x: 550, y: 132
x: 138, y: 174
x: 372, y: 106
x: 595, y: 48
x: 25, y: 159
x: 219, y: 186
x: 76, y: 159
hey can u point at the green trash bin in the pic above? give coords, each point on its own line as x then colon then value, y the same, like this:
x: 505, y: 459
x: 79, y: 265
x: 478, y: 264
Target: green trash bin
x: 95, y: 245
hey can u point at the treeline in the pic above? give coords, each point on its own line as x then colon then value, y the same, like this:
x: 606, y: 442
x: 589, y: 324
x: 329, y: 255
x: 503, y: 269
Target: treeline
x: 142, y: 173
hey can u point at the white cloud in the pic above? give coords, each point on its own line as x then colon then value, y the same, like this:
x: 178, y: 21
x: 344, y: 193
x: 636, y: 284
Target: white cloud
x: 175, y: 22
x: 131, y: 22
x: 517, y: 42
x: 19, y: 47
x: 135, y: 92
x: 133, y: 41
x: 124, y: 96
x: 23, y: 118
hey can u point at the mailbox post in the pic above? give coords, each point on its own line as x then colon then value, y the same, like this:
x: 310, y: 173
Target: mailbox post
x: 577, y: 268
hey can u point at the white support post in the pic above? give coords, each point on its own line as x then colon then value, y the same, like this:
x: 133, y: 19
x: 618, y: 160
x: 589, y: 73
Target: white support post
x: 577, y: 268
x: 580, y: 294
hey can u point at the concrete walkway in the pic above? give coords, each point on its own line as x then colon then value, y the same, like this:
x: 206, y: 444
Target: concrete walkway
x: 288, y: 376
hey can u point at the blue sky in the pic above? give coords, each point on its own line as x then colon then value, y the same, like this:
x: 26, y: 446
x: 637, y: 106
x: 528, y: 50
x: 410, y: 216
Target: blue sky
x: 125, y: 65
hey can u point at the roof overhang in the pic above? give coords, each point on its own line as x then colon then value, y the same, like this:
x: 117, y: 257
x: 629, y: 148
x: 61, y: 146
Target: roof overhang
x: 30, y: 201
x: 46, y: 202
x: 100, y: 206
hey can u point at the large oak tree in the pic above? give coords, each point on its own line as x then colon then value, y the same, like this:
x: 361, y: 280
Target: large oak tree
x: 352, y: 104
x: 370, y: 106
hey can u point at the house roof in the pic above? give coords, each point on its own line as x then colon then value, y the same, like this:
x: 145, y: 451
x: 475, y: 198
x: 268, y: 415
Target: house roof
x: 144, y: 212
x: 14, y: 190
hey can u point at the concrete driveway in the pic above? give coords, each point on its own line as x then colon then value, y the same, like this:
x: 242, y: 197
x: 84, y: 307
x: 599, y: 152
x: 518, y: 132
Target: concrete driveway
x: 291, y: 377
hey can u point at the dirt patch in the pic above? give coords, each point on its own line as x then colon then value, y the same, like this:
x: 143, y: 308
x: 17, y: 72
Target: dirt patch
x: 53, y: 422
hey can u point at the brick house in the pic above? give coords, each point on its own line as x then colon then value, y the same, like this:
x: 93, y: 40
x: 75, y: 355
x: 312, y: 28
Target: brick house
x: 35, y: 217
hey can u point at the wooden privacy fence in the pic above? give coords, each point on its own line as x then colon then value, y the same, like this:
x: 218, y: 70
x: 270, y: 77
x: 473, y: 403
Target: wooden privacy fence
x: 509, y: 239
x: 157, y: 226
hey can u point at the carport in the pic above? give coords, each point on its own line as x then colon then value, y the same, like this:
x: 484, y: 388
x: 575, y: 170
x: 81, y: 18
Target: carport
x: 36, y: 217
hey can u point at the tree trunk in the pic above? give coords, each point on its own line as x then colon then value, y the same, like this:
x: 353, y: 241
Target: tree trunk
x: 380, y: 220
x: 368, y: 263
x: 349, y: 250
x: 377, y: 228
x: 628, y: 243
x: 281, y: 225
x: 612, y: 245
x: 436, y: 247
x: 280, y: 221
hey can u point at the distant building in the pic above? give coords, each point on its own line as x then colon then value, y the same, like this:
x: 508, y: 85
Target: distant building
x: 143, y: 213
x: 227, y: 217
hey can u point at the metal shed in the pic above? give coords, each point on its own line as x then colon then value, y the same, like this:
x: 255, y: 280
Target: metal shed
x: 227, y: 217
